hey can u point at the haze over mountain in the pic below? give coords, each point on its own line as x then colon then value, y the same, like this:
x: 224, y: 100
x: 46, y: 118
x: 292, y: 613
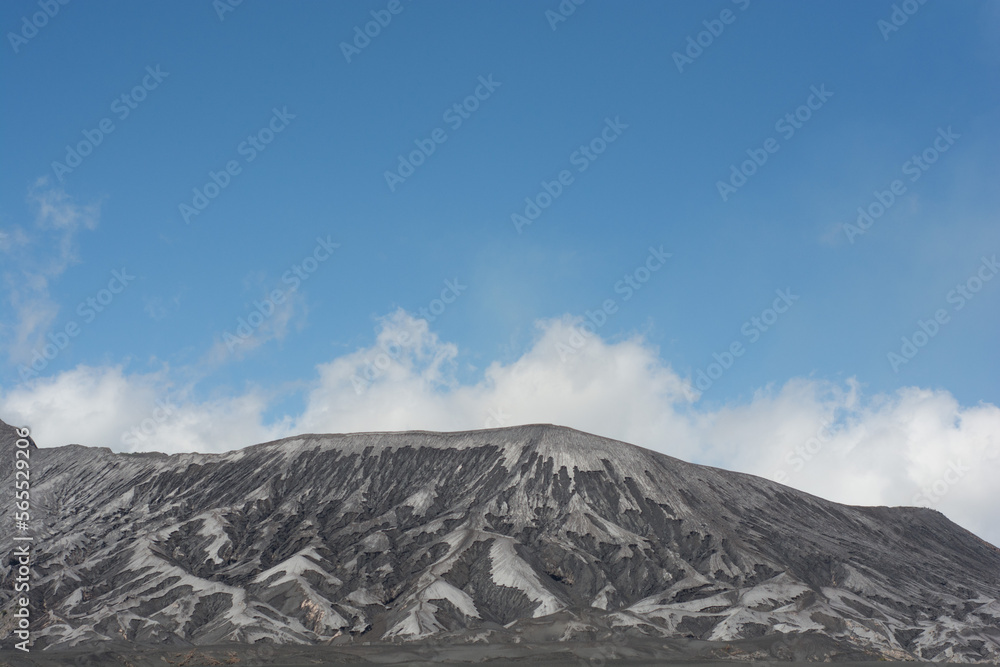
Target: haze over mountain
x: 493, y: 536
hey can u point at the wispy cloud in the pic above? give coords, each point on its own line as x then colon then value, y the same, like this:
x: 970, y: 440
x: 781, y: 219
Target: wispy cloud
x: 34, y: 257
x: 256, y: 325
x: 159, y: 308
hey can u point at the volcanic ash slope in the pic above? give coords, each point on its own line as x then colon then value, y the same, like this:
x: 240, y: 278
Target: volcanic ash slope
x: 531, y: 532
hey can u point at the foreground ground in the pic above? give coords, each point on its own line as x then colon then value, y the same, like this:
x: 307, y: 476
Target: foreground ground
x: 591, y: 654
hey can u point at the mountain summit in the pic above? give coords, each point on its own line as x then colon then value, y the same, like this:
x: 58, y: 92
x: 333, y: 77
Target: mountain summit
x: 489, y: 536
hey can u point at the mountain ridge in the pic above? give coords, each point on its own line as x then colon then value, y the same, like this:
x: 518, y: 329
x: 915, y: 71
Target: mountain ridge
x: 408, y: 536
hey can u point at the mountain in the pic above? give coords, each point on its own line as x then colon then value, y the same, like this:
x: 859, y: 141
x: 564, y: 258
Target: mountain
x: 529, y: 533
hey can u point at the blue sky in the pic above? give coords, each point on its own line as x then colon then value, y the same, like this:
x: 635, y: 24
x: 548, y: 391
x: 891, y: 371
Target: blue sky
x: 200, y: 82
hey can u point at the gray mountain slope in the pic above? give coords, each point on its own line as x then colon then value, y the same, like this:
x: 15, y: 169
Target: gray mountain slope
x: 493, y: 535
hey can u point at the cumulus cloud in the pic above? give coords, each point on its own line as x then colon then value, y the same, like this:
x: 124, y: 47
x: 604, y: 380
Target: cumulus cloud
x: 105, y: 407
x: 912, y: 447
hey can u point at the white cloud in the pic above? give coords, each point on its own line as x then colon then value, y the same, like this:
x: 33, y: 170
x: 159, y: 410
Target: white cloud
x: 915, y: 446
x: 103, y: 407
